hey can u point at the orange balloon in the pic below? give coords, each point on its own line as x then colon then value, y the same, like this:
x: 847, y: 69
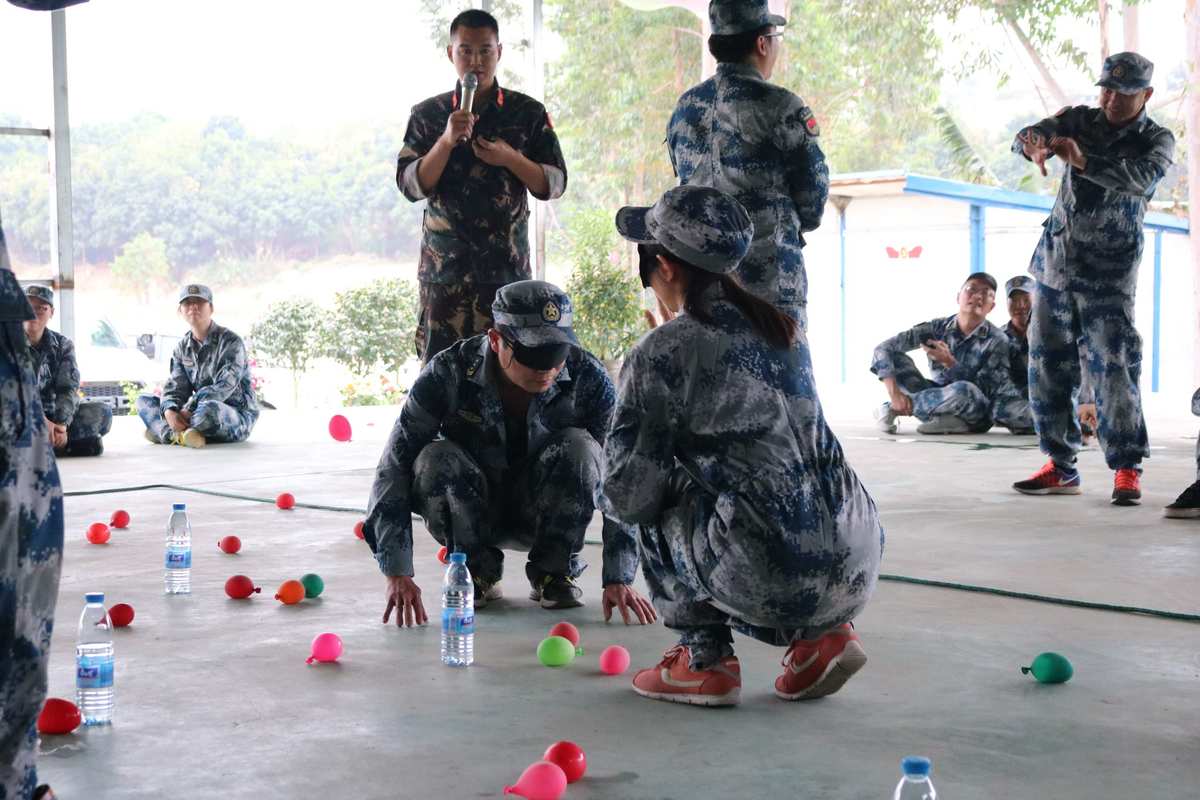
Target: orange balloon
x: 290, y: 593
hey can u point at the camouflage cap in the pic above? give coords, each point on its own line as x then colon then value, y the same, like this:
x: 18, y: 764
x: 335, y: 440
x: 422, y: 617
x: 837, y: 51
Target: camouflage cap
x: 195, y: 290
x: 1127, y: 73
x: 536, y: 312
x: 41, y: 292
x: 700, y: 225
x: 1019, y: 283
x: 729, y: 17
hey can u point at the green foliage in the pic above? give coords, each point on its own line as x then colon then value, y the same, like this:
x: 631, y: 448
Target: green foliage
x: 363, y: 393
x: 141, y: 264
x: 372, y: 326
x: 608, y: 318
x: 289, y: 337
x: 968, y: 163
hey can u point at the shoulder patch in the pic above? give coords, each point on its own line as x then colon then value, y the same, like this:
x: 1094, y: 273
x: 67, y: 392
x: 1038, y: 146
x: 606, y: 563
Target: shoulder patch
x: 810, y: 122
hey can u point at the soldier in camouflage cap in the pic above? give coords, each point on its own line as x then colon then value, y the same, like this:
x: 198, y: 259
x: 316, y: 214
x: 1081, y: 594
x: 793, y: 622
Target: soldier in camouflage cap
x: 760, y: 143
x: 498, y: 447
x: 750, y: 519
x: 1085, y: 266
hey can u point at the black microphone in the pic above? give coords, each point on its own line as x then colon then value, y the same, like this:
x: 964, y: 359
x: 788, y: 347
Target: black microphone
x: 470, y: 82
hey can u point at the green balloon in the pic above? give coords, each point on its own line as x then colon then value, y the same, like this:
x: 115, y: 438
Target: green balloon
x: 1050, y: 668
x: 556, y: 651
x: 313, y: 585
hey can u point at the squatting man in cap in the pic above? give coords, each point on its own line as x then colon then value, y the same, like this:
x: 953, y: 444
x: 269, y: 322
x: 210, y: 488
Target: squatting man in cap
x: 209, y: 396
x: 498, y: 447
x: 1085, y: 266
x: 750, y: 519
x: 969, y: 358
x: 75, y: 427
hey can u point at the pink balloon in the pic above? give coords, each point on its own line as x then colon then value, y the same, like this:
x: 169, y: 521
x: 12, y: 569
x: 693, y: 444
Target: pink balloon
x: 326, y: 647
x: 339, y: 428
x: 541, y: 780
x: 614, y: 660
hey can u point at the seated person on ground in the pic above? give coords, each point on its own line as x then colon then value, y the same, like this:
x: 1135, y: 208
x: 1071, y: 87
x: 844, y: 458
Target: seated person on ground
x: 1020, y: 307
x: 750, y: 518
x: 1187, y: 505
x: 75, y: 427
x: 498, y: 447
x: 969, y: 357
x: 209, y: 397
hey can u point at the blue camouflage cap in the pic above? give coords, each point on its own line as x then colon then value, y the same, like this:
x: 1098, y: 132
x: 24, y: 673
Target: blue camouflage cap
x: 1127, y: 73
x: 700, y: 225
x: 536, y: 312
x: 195, y: 290
x: 38, y: 291
x: 1018, y: 283
x: 729, y: 17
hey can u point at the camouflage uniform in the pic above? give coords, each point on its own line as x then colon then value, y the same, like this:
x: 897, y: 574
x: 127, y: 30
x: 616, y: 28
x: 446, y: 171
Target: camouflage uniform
x: 58, y: 383
x: 1086, y: 270
x: 475, y: 234
x: 483, y: 481
x: 978, y: 389
x: 31, y: 540
x: 750, y: 516
x: 758, y: 142
x: 1018, y: 358
x: 212, y: 381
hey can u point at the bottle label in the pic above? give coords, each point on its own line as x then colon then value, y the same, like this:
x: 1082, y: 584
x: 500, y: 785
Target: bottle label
x: 94, y: 673
x: 457, y: 621
x: 179, y: 559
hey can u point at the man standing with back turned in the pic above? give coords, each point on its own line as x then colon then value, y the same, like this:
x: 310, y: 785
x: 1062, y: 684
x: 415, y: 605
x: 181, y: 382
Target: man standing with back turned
x: 474, y: 164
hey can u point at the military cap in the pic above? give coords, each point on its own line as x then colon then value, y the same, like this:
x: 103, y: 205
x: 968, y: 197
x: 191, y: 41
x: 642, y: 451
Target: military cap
x: 729, y: 17
x: 1018, y: 283
x: 195, y: 290
x: 536, y: 313
x: 38, y: 291
x: 1127, y: 73
x: 983, y: 276
x: 700, y: 225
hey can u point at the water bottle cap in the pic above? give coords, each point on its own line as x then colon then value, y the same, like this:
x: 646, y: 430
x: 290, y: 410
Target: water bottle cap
x: 916, y: 765
x: 94, y: 597
x: 179, y: 506
x: 458, y: 558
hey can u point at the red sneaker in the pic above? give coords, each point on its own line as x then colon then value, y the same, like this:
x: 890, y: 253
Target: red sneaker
x: 674, y: 681
x: 819, y: 667
x: 1050, y: 480
x: 1127, y: 488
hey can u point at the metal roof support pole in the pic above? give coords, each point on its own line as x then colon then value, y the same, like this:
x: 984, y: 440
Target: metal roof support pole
x: 978, y: 238
x: 841, y: 203
x: 1156, y: 325
x: 62, y: 240
x: 538, y: 86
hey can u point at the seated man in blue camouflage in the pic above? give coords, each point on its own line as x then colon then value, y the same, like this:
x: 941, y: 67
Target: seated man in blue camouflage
x: 75, y: 427
x: 499, y: 446
x: 969, y: 357
x: 209, y: 397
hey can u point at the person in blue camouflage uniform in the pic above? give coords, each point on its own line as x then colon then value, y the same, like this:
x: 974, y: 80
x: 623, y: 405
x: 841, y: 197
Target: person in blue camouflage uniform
x: 760, y: 143
x: 1187, y: 505
x: 75, y: 427
x: 1019, y: 290
x: 474, y: 168
x: 969, y: 358
x: 209, y: 396
x: 1086, y: 270
x: 31, y: 541
x: 750, y: 518
x: 498, y: 446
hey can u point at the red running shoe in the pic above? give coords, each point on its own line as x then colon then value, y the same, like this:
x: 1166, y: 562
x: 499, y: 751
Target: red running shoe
x: 674, y: 681
x: 1127, y: 488
x: 821, y: 666
x: 1050, y: 480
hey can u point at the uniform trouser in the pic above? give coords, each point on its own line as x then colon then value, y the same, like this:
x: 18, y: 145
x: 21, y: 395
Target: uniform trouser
x: 703, y: 599
x: 91, y: 421
x: 544, y: 505
x: 1104, y: 324
x: 31, y: 540
x: 452, y: 311
x: 219, y: 422
x: 961, y: 399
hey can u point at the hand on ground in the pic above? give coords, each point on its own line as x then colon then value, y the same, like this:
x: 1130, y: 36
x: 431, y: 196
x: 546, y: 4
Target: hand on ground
x: 404, y: 595
x: 625, y: 599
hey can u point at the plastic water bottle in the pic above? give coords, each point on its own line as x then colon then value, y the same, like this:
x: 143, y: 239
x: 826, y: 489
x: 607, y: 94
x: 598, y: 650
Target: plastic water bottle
x: 915, y: 785
x: 94, y: 662
x: 458, y: 614
x: 177, y: 574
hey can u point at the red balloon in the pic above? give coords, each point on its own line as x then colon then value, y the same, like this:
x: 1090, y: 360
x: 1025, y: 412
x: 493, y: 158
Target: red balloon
x: 339, y: 428
x: 285, y: 500
x: 239, y: 587
x: 98, y: 533
x: 59, y: 717
x: 614, y: 660
x: 230, y: 544
x: 444, y: 555
x: 358, y: 528
x: 541, y: 780
x: 570, y: 759
x: 120, y: 519
x: 567, y: 631
x: 121, y: 615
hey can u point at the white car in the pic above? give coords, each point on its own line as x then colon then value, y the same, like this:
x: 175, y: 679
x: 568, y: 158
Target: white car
x: 108, y: 361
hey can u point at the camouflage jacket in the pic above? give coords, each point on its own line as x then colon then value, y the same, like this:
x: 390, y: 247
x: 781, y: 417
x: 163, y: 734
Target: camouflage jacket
x: 216, y: 370
x: 1093, y: 238
x: 758, y: 142
x: 455, y: 398
x: 58, y: 376
x: 1018, y: 359
x: 476, y: 221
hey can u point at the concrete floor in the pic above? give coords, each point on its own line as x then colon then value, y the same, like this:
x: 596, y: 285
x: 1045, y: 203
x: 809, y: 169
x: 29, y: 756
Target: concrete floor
x: 214, y: 698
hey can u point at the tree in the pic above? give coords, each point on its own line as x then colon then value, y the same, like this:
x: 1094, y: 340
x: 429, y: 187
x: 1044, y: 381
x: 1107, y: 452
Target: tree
x: 141, y: 265
x: 372, y: 326
x: 608, y: 317
x: 289, y: 337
